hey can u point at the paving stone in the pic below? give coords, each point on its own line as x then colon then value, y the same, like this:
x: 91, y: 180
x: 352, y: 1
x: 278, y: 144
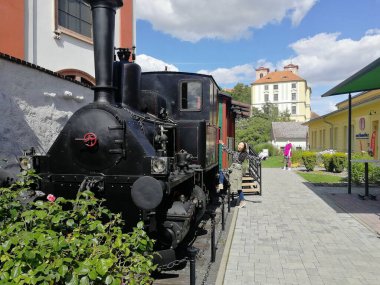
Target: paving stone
x: 296, y: 234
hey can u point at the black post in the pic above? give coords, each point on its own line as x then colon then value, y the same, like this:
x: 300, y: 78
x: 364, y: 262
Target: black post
x: 192, y: 251
x: 229, y: 199
x: 223, y: 222
x: 366, y: 178
x: 260, y: 178
x: 213, y: 248
x: 349, y: 143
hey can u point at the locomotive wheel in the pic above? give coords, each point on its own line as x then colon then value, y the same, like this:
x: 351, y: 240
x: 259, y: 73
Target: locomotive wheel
x: 201, y: 196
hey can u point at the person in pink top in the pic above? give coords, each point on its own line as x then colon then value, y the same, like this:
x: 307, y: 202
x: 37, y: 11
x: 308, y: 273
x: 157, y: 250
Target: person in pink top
x: 288, y: 156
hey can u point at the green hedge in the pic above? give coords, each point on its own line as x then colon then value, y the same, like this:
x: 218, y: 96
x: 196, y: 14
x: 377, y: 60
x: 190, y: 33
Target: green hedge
x: 334, y: 162
x: 327, y: 160
x: 339, y: 161
x: 271, y: 148
x: 357, y: 169
x: 309, y: 159
x: 297, y: 157
x: 64, y: 241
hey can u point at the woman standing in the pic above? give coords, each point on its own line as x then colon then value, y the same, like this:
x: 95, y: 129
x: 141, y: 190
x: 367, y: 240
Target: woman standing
x: 236, y: 173
x: 288, y: 156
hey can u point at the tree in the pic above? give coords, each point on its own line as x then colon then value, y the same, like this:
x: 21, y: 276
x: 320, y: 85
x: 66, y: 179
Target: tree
x: 241, y: 93
x: 257, y: 129
x: 284, y: 116
x: 254, y: 130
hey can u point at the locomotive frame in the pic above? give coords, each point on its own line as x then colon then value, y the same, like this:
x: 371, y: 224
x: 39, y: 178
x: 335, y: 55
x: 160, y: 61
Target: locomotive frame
x: 148, y: 143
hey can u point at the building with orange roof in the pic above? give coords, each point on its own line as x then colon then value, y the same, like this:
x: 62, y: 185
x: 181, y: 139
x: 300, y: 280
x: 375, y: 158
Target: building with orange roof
x: 57, y: 34
x: 285, y: 89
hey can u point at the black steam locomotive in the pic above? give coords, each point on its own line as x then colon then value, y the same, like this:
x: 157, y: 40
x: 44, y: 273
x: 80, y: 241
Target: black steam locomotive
x: 148, y: 143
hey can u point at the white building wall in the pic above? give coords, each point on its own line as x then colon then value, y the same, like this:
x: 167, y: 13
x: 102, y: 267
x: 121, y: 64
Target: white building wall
x: 297, y: 143
x: 34, y: 107
x: 285, y: 101
x: 43, y: 49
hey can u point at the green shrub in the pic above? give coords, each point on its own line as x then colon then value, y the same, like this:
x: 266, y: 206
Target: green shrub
x: 309, y: 159
x: 297, y: 158
x: 271, y: 148
x: 357, y: 168
x: 69, y: 242
x: 327, y: 160
x: 339, y: 161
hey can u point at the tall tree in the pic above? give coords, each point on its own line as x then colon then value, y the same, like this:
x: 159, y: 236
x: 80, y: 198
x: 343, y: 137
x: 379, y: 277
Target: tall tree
x: 241, y: 93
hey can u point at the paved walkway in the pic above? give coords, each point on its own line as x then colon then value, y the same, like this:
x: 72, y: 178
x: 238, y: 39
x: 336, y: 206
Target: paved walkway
x: 292, y: 235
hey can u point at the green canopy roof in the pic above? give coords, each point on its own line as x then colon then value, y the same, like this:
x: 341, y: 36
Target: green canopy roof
x: 365, y: 79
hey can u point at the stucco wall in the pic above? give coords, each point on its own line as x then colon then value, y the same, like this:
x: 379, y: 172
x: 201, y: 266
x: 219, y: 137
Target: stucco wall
x: 296, y: 143
x: 66, y: 52
x: 34, y: 108
x: 285, y: 101
x: 331, y: 131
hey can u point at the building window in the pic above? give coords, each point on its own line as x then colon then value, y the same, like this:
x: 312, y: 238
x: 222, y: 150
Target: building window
x: 191, y: 95
x: 294, y: 85
x: 266, y: 87
x: 275, y: 97
x: 266, y: 97
x: 294, y: 96
x: 294, y: 109
x: 261, y: 75
x: 275, y: 87
x: 74, y: 16
x: 78, y: 75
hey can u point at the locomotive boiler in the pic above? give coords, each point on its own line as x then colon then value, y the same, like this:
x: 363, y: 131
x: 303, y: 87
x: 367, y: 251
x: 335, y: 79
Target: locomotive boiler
x: 147, y: 144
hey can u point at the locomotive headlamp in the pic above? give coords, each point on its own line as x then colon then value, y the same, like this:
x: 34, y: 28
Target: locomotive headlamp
x: 26, y: 163
x: 159, y: 165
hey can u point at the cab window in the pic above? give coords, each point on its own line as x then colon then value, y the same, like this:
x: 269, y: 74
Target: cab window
x: 191, y: 95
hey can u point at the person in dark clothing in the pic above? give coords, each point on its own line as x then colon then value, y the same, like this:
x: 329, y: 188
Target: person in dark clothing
x: 236, y: 172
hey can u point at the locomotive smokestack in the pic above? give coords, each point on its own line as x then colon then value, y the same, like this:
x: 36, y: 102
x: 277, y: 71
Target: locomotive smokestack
x: 103, y: 21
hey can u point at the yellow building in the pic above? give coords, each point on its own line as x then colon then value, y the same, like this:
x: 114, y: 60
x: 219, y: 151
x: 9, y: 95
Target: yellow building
x: 286, y: 90
x: 330, y: 131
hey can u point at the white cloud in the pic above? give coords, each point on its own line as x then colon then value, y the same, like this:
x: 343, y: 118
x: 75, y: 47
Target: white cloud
x: 149, y: 63
x: 322, y: 106
x: 239, y: 73
x: 326, y: 59
x: 218, y: 19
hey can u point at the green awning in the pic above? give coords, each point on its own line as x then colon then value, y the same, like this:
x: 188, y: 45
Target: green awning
x: 365, y: 79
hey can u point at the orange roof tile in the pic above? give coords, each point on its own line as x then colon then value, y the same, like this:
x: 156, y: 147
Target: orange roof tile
x: 279, y: 76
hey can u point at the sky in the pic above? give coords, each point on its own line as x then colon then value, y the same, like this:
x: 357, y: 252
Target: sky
x: 328, y: 39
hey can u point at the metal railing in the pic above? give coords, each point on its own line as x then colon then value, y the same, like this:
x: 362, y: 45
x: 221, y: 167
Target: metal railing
x: 254, y: 168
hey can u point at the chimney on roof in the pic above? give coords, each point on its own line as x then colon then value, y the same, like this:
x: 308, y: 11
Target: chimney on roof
x: 261, y: 72
x: 291, y: 67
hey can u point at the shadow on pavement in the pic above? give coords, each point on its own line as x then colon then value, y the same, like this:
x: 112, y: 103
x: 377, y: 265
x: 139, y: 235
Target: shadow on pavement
x: 367, y: 211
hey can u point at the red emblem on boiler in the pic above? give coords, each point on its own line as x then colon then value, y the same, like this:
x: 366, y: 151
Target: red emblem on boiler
x: 89, y: 139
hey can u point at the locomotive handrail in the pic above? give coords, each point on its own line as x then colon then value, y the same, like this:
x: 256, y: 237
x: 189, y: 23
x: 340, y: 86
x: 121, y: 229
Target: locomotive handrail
x: 255, y: 166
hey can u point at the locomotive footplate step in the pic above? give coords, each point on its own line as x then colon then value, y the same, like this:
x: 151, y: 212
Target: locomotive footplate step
x: 206, y: 271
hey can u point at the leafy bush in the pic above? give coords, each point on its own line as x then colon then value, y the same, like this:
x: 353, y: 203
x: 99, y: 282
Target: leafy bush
x: 297, y: 158
x: 357, y: 169
x: 327, y: 160
x: 309, y: 159
x: 271, y: 148
x: 68, y: 242
x: 339, y: 161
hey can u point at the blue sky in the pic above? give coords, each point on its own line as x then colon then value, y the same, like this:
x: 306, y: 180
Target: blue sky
x: 329, y: 39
